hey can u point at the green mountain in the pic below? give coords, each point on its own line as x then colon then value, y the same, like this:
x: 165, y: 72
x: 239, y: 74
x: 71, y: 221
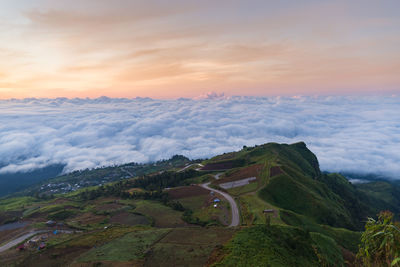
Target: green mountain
x: 290, y: 213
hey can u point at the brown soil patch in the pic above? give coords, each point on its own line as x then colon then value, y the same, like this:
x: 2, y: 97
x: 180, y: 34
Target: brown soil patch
x: 275, y: 170
x: 251, y: 171
x: 187, y: 191
x: 218, y: 166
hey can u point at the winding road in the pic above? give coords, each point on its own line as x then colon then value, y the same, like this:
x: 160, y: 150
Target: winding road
x: 234, y: 208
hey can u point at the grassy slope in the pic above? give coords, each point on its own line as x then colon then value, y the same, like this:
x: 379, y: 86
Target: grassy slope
x: 131, y: 246
x: 279, y: 246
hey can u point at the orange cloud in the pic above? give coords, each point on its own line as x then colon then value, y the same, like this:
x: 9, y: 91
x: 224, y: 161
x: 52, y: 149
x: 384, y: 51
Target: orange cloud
x: 157, y: 49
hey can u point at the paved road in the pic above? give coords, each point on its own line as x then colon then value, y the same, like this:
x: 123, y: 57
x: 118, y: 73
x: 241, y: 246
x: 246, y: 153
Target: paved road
x: 19, y: 240
x: 190, y: 165
x: 234, y: 208
x: 237, y: 183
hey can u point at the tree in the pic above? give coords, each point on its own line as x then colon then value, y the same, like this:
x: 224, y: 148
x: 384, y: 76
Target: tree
x: 380, y: 243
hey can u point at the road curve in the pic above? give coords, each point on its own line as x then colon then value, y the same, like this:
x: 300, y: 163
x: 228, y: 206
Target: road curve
x: 19, y: 240
x: 190, y: 165
x: 234, y: 208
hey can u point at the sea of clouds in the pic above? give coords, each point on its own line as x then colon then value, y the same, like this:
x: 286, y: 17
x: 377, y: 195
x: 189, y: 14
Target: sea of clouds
x: 351, y: 134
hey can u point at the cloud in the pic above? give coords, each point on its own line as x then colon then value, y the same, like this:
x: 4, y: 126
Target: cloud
x: 353, y: 134
x: 129, y: 48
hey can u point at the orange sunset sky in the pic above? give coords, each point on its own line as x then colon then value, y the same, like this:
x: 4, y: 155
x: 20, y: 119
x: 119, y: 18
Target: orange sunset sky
x: 169, y: 49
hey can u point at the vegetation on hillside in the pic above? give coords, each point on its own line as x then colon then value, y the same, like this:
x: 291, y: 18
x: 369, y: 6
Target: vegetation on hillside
x: 316, y: 217
x: 380, y: 243
x: 280, y: 246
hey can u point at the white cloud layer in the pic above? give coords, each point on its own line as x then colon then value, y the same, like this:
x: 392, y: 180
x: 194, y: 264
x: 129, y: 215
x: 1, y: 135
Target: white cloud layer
x: 354, y: 134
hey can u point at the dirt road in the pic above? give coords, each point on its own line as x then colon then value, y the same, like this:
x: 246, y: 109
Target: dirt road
x: 234, y: 208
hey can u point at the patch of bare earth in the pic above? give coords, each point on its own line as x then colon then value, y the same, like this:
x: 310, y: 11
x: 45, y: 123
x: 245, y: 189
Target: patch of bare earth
x: 218, y: 166
x: 251, y: 171
x: 275, y: 170
x: 187, y: 191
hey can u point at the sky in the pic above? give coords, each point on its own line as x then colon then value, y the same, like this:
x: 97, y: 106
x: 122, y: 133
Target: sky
x: 171, y: 49
x: 347, y: 133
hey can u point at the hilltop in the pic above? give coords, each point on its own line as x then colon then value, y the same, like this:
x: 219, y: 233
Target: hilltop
x: 179, y: 213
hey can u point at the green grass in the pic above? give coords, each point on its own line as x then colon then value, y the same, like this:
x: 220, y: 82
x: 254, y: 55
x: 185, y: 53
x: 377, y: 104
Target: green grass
x: 344, y: 237
x: 17, y: 203
x: 194, y: 203
x: 61, y: 215
x: 188, y: 246
x: 131, y: 246
x: 306, y: 196
x: 270, y: 246
x: 162, y: 215
x: 236, y: 191
x: 99, y: 237
x: 252, y: 208
x: 206, y: 212
x: 328, y: 252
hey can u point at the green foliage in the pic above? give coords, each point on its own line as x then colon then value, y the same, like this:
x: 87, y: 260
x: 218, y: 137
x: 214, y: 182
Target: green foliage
x: 306, y: 196
x: 327, y: 250
x: 383, y: 195
x: 16, y: 203
x: 344, y: 237
x: 188, y: 217
x: 162, y: 215
x: 380, y: 243
x: 270, y: 246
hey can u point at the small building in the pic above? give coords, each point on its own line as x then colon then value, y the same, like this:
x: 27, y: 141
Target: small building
x: 217, y: 200
x: 215, y: 205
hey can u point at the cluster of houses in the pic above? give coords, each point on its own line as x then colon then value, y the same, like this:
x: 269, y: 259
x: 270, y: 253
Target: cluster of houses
x: 36, y: 242
x: 39, y: 241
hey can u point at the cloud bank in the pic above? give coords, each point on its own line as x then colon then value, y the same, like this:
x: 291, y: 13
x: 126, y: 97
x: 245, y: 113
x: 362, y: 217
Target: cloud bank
x: 352, y: 134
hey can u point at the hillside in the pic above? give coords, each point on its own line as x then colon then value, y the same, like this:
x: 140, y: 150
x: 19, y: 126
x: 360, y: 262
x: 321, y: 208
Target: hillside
x: 161, y: 216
